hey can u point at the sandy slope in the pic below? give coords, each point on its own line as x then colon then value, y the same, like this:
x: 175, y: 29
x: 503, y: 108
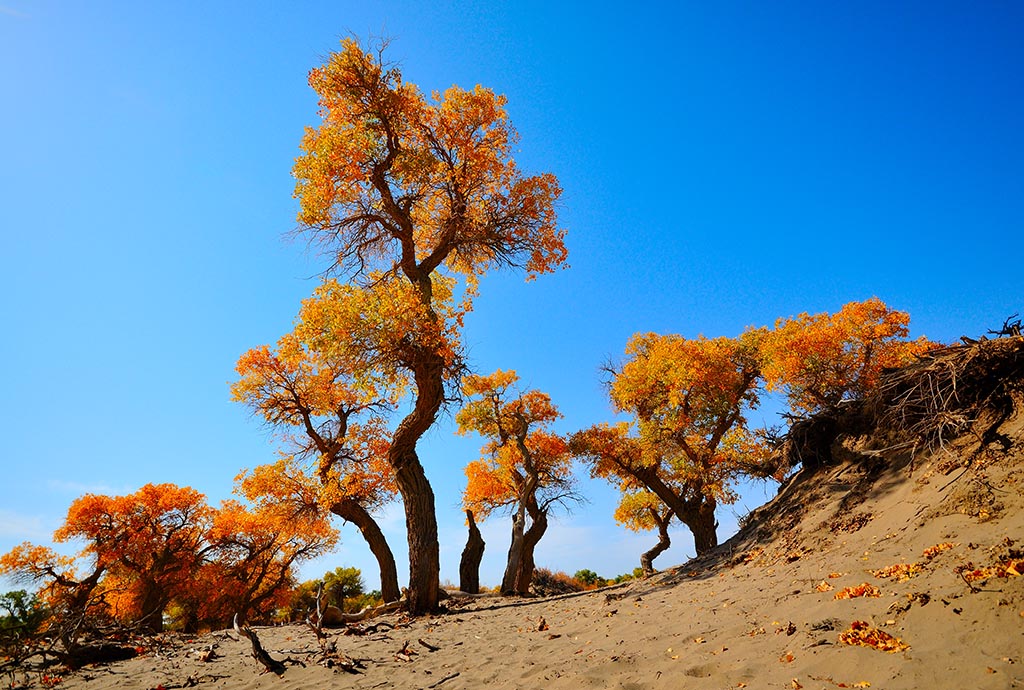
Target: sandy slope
x: 750, y: 616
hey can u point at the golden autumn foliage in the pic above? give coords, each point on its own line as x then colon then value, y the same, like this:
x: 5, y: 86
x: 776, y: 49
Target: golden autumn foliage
x: 688, y: 439
x: 392, y: 179
x: 405, y: 193
x: 523, y: 466
x: 687, y: 398
x: 521, y: 455
x: 164, y: 548
x: 819, y: 360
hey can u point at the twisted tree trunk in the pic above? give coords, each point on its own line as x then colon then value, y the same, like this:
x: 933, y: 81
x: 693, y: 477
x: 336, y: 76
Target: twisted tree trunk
x: 647, y: 557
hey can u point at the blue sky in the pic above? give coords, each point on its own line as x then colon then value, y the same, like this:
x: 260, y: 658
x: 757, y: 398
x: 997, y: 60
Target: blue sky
x: 724, y: 164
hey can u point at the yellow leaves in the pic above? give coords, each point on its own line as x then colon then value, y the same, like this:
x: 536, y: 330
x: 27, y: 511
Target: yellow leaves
x: 862, y: 590
x: 389, y: 176
x: 933, y: 551
x: 521, y: 457
x: 822, y: 359
x: 899, y: 572
x: 861, y: 633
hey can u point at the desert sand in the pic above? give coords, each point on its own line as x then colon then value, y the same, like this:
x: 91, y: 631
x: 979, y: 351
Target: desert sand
x: 934, y: 541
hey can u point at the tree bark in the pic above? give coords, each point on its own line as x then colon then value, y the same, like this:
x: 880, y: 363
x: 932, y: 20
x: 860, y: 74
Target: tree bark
x: 421, y: 527
x: 515, y: 552
x: 698, y: 513
x: 417, y: 494
x: 524, y: 576
x: 704, y: 527
x: 152, y: 608
x: 469, y: 567
x: 350, y: 510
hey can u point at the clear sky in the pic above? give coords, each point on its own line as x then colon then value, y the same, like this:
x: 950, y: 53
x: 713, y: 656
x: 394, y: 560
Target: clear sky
x: 724, y: 164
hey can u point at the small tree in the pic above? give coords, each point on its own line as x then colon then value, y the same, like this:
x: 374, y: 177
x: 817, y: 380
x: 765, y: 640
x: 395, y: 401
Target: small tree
x: 338, y: 410
x: 688, y: 399
x: 525, y: 468
x: 643, y: 511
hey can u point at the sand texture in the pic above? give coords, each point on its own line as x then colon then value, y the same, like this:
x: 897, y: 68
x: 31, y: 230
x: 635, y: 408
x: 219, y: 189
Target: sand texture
x: 933, y: 546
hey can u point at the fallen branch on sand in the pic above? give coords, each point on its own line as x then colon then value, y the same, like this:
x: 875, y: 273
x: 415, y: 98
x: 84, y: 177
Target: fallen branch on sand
x: 258, y: 653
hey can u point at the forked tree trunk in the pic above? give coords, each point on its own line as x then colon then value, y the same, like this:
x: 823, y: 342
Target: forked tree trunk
x: 697, y: 514
x: 350, y: 510
x: 515, y: 552
x: 469, y: 566
x: 524, y: 577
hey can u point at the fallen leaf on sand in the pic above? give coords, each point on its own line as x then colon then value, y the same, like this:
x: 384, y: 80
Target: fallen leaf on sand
x: 824, y: 586
x: 862, y: 634
x: 863, y: 590
x: 933, y: 551
x: 900, y: 572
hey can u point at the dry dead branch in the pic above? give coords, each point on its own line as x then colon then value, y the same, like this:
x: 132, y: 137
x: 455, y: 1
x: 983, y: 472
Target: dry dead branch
x: 258, y: 653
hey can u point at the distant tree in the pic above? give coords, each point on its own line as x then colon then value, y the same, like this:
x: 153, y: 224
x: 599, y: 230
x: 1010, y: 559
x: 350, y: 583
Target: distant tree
x: 688, y: 399
x: 162, y: 549
x: 343, y: 583
x: 589, y: 578
x: 525, y: 468
x: 22, y: 616
x: 404, y: 193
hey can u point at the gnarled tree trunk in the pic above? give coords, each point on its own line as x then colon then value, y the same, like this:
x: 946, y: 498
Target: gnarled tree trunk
x: 538, y: 526
x: 417, y: 494
x: 515, y: 552
x: 469, y: 566
x: 350, y: 510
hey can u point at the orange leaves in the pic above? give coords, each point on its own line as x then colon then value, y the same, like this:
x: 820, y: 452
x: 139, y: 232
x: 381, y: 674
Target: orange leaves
x: 863, y: 590
x: 933, y: 551
x: 1004, y: 570
x: 394, y: 181
x: 821, y: 359
x: 899, y: 572
x: 521, y: 458
x: 861, y: 633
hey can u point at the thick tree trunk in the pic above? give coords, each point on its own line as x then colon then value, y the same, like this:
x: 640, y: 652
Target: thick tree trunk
x: 524, y: 576
x: 152, y: 609
x: 417, y: 495
x: 647, y: 557
x: 350, y: 510
x: 469, y: 567
x: 515, y: 552
x: 421, y: 527
x: 704, y: 527
x: 697, y: 514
